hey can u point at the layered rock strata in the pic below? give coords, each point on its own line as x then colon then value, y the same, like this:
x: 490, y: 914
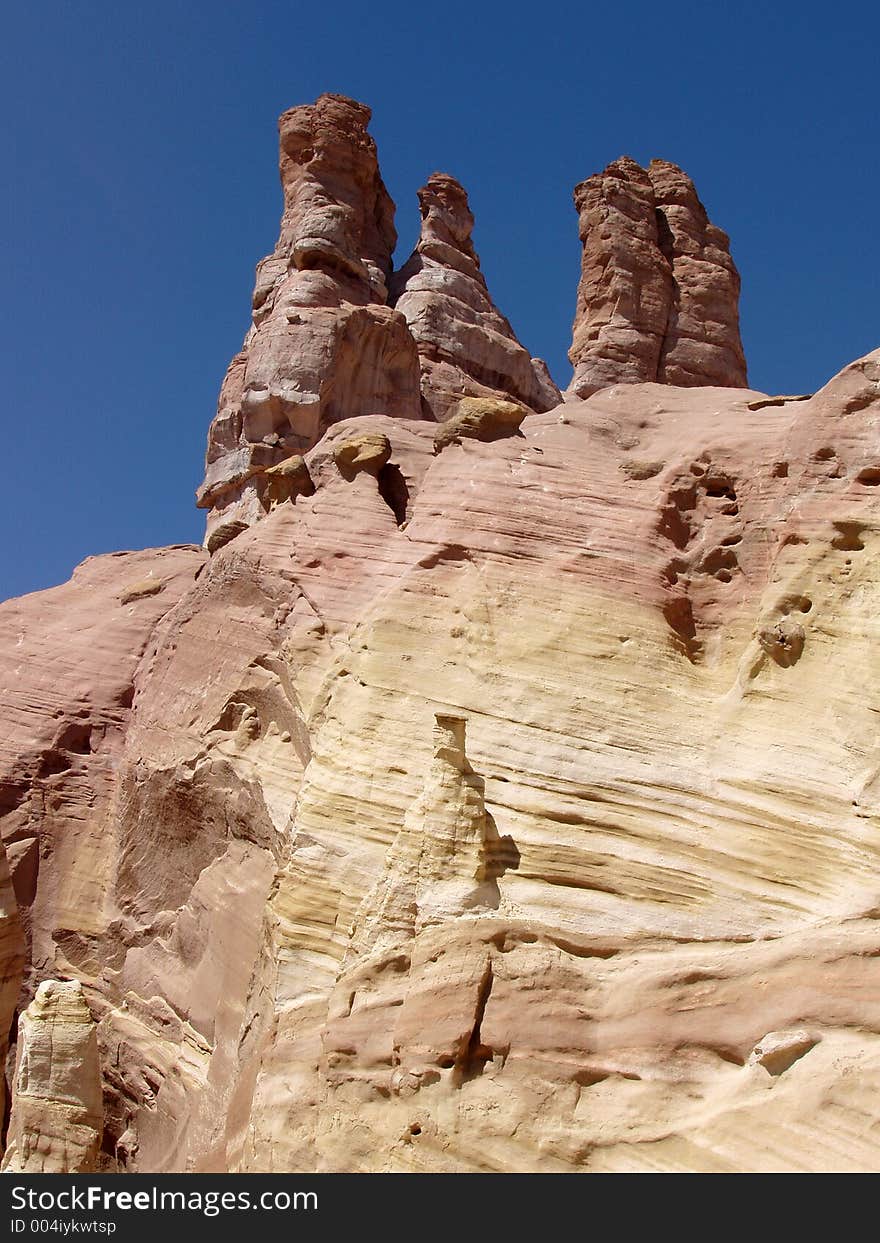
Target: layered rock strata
x: 466, y: 347
x: 506, y: 799
x: 68, y: 665
x: 658, y: 298
x: 630, y: 924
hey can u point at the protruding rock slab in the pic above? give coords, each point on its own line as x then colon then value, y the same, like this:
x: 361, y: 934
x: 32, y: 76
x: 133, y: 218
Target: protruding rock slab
x: 466, y: 346
x: 288, y: 480
x: 479, y: 418
x: 57, y: 1112
x: 368, y: 452
x: 778, y: 1051
x: 658, y: 295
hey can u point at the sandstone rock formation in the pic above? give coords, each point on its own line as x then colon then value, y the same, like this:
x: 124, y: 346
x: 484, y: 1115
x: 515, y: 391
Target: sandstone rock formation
x: 466, y: 347
x: 479, y: 418
x: 323, y: 344
x: 594, y: 940
x: 658, y: 298
x: 57, y: 1117
x: 68, y: 664
x: 506, y: 799
x: 12, y: 960
x: 441, y: 865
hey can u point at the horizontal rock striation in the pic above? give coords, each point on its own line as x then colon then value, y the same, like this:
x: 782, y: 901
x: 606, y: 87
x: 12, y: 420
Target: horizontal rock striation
x: 506, y: 798
x: 478, y: 821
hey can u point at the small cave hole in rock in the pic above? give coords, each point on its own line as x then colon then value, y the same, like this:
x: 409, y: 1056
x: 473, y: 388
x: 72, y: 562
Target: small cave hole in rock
x: 589, y: 1078
x: 12, y: 793
x: 673, y: 523
x: 720, y: 561
x: 393, y: 490
x: 53, y: 763
x: 869, y: 477
x: 76, y: 738
x: 719, y: 489
x: 848, y: 537
x: 414, y: 1128
x: 680, y: 619
x: 665, y: 239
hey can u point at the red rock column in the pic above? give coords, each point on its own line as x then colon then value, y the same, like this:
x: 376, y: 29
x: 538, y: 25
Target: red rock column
x: 323, y: 345
x: 658, y: 295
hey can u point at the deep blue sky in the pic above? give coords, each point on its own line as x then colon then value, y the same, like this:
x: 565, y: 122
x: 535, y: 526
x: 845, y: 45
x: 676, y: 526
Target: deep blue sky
x: 139, y: 148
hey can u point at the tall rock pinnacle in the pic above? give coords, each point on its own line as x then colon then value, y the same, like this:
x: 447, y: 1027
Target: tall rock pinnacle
x: 466, y: 346
x: 658, y: 295
x: 323, y: 345
x: 57, y: 1114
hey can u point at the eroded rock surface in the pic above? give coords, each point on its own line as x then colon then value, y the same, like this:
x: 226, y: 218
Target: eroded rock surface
x: 466, y: 347
x: 334, y: 933
x: 658, y: 298
x: 12, y: 960
x: 323, y: 344
x: 506, y: 798
x: 57, y: 1117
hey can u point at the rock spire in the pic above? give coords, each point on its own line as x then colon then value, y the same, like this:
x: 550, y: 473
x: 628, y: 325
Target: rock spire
x: 466, y: 346
x: 658, y: 295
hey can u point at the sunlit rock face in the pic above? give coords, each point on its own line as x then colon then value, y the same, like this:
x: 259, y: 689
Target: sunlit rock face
x: 505, y: 798
x: 658, y: 298
x: 323, y: 344
x: 466, y: 346
x: 328, y: 341
x: 57, y: 1116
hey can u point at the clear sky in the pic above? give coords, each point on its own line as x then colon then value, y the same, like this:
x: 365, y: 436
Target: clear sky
x: 139, y: 152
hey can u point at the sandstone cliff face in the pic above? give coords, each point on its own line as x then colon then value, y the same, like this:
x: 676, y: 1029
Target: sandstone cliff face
x: 68, y: 662
x: 506, y: 798
x: 626, y: 921
x: 659, y: 293
x: 12, y: 960
x: 466, y: 348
